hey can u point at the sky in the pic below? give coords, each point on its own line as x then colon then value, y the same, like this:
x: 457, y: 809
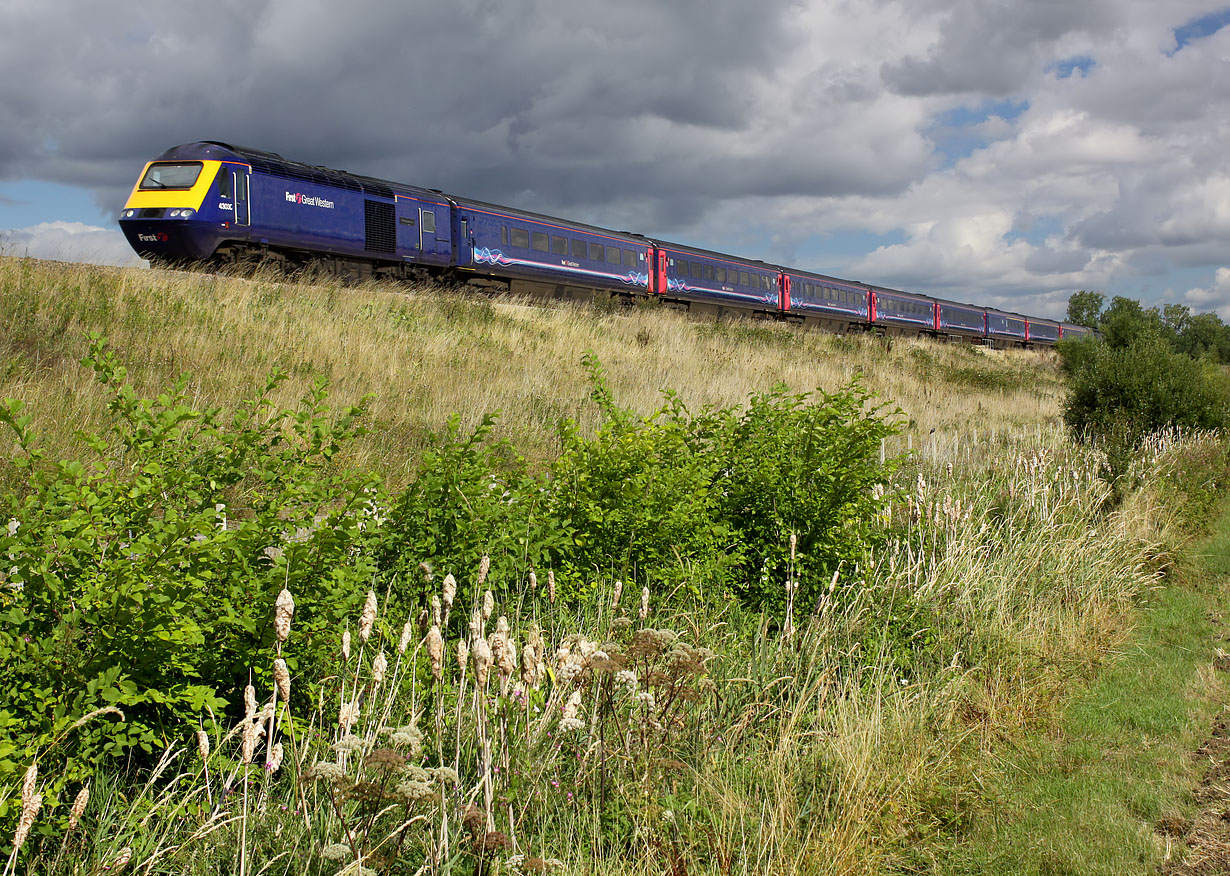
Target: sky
x: 1001, y: 152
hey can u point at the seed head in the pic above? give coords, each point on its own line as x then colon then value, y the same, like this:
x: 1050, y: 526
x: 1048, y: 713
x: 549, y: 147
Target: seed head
x: 379, y: 667
x: 482, y: 661
x: 283, y: 611
x: 529, y: 665
x: 644, y: 602
x: 406, y: 632
x: 368, y: 617
x: 121, y: 860
x: 275, y: 758
x: 435, y: 651
x: 533, y: 583
x: 79, y: 804
x: 450, y: 590
x: 794, y: 540
x: 619, y: 591
x: 484, y: 567
x: 348, y: 715
x: 251, y: 732
x: 249, y: 701
x: 346, y: 644
x: 488, y: 605
x: 435, y: 609
x: 281, y: 677
x: 202, y: 744
x: 29, y: 783
x: 551, y: 586
x: 29, y: 810
x: 425, y: 568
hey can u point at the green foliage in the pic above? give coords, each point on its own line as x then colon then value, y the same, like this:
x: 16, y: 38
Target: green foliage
x: 678, y: 498
x: 470, y: 497
x: 1085, y: 308
x: 128, y: 581
x: 1120, y: 395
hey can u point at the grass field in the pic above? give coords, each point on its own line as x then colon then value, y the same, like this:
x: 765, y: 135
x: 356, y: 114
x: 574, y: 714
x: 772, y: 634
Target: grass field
x: 1007, y: 682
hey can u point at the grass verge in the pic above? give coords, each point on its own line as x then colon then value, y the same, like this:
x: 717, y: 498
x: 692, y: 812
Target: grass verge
x: 1103, y: 790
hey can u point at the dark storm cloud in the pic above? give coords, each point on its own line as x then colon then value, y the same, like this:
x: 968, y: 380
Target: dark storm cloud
x: 574, y: 102
x: 991, y: 47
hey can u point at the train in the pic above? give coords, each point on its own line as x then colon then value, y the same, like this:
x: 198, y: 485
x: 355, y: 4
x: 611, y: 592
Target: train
x: 211, y: 203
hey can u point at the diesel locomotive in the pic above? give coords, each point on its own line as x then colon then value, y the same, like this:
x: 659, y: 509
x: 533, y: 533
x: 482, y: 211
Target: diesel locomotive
x: 215, y: 204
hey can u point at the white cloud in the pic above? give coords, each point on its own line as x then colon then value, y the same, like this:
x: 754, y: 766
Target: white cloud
x: 1214, y: 298
x: 69, y: 242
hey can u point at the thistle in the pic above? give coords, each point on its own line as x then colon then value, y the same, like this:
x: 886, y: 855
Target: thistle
x: 283, y: 611
x: 368, y: 617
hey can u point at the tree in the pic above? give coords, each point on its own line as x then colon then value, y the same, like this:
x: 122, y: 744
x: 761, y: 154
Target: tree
x: 1125, y: 320
x: 1085, y: 308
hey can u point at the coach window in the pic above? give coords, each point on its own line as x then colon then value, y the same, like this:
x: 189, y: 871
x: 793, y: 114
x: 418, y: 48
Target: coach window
x: 579, y: 249
x: 721, y: 275
x: 681, y: 267
x: 540, y: 241
x: 612, y: 255
x: 504, y: 235
x: 429, y: 221
x: 629, y: 258
x: 696, y: 269
x: 743, y: 279
x: 709, y: 272
x: 559, y: 246
x: 520, y: 237
x: 596, y: 252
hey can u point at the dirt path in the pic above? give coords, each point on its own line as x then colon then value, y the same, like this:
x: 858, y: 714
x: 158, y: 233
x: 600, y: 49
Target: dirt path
x: 1207, y: 836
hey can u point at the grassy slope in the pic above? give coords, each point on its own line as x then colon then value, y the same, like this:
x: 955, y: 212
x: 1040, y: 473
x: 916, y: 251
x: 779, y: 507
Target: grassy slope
x: 424, y: 354
x: 1094, y: 795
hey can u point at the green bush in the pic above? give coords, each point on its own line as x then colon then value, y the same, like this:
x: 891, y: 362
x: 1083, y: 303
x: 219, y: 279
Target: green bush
x: 1117, y: 396
x: 145, y: 579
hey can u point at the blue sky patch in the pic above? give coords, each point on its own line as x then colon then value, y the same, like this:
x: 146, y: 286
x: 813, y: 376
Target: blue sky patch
x: 24, y: 203
x: 1205, y: 25
x: 953, y: 134
x: 1066, y: 67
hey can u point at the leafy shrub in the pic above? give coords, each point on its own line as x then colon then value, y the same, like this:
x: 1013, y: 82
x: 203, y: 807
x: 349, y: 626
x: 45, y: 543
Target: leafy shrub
x: 145, y: 579
x: 1119, y: 395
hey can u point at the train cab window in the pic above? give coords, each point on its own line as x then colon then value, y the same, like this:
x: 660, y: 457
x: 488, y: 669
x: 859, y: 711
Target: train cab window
x: 504, y: 235
x: 226, y: 182
x: 559, y: 246
x: 596, y: 252
x: 629, y: 258
x: 429, y: 221
x: 612, y: 255
x: 171, y: 176
x: 579, y: 249
x: 519, y: 237
x: 540, y: 241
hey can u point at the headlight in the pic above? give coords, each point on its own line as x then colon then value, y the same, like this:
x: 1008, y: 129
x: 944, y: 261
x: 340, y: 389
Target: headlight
x: 128, y: 214
x: 173, y: 213
x: 184, y: 214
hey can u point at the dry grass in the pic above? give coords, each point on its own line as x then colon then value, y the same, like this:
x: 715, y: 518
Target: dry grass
x: 425, y: 353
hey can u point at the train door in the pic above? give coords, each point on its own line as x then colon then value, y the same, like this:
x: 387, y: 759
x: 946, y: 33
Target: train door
x: 243, y: 210
x: 660, y: 286
x: 785, y: 291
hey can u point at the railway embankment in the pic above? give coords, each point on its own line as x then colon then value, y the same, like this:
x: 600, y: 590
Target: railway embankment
x: 283, y: 592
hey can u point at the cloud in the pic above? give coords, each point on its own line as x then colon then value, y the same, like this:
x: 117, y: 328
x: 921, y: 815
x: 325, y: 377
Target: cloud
x: 1215, y: 297
x: 69, y: 242
x: 755, y: 127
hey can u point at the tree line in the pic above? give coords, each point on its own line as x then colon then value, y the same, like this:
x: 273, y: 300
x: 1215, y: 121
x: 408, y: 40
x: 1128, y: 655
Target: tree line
x: 1124, y: 320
